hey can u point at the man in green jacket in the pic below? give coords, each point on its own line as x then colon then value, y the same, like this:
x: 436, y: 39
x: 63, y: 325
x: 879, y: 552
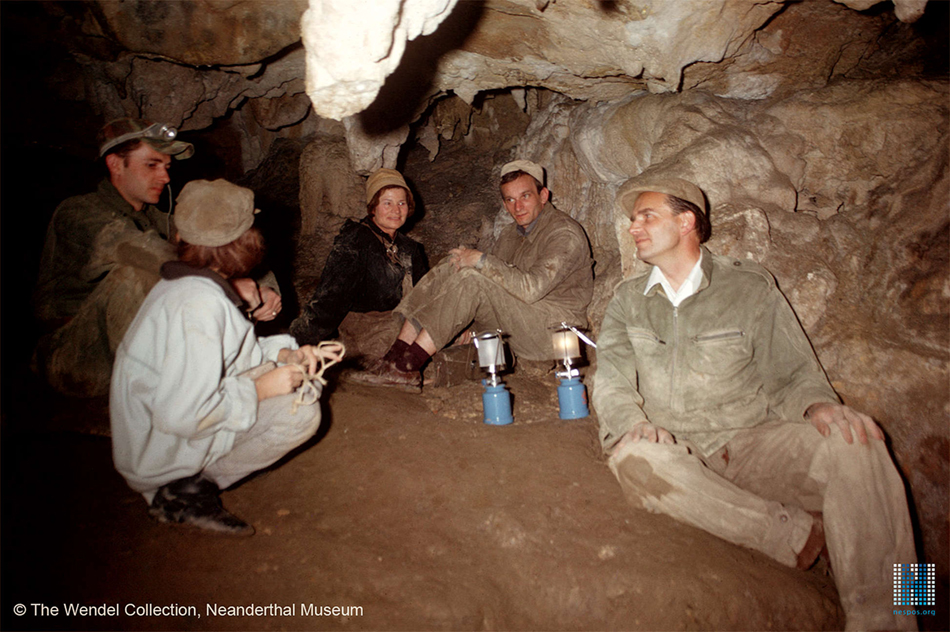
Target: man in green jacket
x: 102, y: 255
x: 538, y: 274
x: 715, y: 411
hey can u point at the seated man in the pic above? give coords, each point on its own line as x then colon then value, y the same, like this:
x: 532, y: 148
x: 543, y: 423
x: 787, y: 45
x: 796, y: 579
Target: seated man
x: 715, y: 411
x: 102, y: 254
x: 537, y: 275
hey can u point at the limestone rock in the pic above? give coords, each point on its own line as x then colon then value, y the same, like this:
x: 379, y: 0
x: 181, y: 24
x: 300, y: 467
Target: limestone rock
x: 351, y: 51
x: 368, y: 151
x: 204, y: 32
x: 806, y: 45
x: 598, y: 50
x: 329, y: 186
x: 906, y: 10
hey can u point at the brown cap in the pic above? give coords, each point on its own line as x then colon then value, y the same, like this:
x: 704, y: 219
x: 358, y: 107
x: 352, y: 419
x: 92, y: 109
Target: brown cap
x: 213, y: 213
x: 677, y: 187
x: 531, y: 168
x: 384, y: 178
x: 158, y: 136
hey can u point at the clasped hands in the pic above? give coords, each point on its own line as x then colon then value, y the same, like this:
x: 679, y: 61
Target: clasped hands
x: 463, y: 257
x: 264, y: 301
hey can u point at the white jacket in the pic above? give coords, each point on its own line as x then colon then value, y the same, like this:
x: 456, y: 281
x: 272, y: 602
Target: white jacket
x: 177, y: 397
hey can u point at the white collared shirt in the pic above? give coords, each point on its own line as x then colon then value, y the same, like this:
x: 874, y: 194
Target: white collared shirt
x: 687, y: 289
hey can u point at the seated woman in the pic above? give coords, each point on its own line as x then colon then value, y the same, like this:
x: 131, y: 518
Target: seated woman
x: 197, y: 402
x: 369, y: 269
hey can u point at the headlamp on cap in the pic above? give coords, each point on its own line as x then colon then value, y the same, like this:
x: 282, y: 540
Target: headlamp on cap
x: 161, y: 132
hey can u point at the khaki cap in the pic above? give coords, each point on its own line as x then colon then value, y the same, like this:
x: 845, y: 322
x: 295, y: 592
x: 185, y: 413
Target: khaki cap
x: 382, y: 178
x: 213, y: 213
x: 677, y: 187
x: 531, y: 168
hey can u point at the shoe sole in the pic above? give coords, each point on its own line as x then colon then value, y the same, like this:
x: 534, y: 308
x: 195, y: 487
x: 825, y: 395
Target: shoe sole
x: 209, y: 527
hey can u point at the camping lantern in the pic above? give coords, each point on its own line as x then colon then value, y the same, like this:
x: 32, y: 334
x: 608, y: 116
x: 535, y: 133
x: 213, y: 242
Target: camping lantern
x: 571, y: 393
x: 491, y: 358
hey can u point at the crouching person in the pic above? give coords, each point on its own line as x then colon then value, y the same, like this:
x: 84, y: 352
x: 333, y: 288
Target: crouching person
x: 197, y: 401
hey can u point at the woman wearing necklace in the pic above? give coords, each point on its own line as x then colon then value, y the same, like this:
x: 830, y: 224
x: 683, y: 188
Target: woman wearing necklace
x: 370, y: 268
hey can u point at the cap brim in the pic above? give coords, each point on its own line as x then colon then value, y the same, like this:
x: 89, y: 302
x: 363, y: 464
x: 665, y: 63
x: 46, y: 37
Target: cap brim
x: 177, y: 148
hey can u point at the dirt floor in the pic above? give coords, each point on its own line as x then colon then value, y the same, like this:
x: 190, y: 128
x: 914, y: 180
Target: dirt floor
x: 405, y: 505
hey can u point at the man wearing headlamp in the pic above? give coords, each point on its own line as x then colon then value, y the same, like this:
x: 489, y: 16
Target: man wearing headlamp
x: 102, y: 254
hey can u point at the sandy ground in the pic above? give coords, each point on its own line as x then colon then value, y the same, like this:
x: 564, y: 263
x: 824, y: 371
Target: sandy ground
x: 405, y: 505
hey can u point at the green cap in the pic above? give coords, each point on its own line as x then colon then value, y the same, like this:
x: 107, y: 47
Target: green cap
x: 158, y: 136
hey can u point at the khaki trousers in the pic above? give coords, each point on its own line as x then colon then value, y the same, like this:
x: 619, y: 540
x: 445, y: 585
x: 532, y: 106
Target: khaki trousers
x: 77, y: 358
x: 755, y: 493
x: 276, y: 432
x: 446, y: 301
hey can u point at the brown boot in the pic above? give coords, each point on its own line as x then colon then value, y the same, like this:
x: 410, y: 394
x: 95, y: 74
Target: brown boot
x: 385, y: 373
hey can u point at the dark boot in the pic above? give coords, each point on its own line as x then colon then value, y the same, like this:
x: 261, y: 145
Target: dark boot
x: 195, y: 501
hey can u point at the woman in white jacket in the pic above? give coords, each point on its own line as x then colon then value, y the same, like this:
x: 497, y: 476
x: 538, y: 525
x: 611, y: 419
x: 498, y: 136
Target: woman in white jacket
x: 198, y: 402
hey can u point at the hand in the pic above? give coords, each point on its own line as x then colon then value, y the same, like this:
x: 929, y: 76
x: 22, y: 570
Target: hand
x: 281, y: 381
x: 645, y: 431
x: 462, y: 257
x: 247, y: 289
x: 309, y: 355
x: 270, y: 305
x: 465, y: 337
x: 823, y: 414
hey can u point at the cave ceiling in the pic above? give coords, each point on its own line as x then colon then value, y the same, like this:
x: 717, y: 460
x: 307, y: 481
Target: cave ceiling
x: 190, y: 62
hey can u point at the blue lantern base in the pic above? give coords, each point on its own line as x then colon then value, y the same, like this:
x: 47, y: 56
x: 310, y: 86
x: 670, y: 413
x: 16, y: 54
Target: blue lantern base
x: 497, y: 403
x: 572, y: 399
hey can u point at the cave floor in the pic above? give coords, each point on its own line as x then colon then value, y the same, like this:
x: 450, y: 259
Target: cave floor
x: 405, y: 505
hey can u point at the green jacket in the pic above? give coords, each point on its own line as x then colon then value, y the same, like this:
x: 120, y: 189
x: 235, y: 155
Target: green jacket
x: 87, y: 237
x: 551, y: 266
x: 731, y: 356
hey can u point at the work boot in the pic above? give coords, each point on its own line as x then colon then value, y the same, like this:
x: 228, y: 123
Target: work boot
x: 384, y: 373
x: 195, y: 501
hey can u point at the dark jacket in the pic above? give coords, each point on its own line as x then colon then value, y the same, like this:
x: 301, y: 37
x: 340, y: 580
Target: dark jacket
x: 359, y: 276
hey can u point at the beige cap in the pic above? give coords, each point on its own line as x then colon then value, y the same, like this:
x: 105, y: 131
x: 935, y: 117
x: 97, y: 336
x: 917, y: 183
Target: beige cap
x: 531, y: 168
x: 677, y: 187
x: 213, y: 213
x: 384, y: 178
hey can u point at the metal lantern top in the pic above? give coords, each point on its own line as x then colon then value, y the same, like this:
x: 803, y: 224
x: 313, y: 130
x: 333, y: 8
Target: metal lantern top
x: 566, y: 345
x: 491, y: 351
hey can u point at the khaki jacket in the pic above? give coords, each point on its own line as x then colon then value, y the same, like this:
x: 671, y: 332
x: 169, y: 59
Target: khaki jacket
x: 731, y: 356
x: 551, y: 266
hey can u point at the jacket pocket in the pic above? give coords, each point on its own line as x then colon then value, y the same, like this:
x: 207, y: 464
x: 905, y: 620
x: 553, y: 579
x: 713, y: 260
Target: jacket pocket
x: 721, y: 353
x: 645, y: 342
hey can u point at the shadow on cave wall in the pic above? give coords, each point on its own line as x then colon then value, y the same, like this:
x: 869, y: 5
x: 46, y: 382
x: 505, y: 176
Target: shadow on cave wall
x: 404, y: 90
